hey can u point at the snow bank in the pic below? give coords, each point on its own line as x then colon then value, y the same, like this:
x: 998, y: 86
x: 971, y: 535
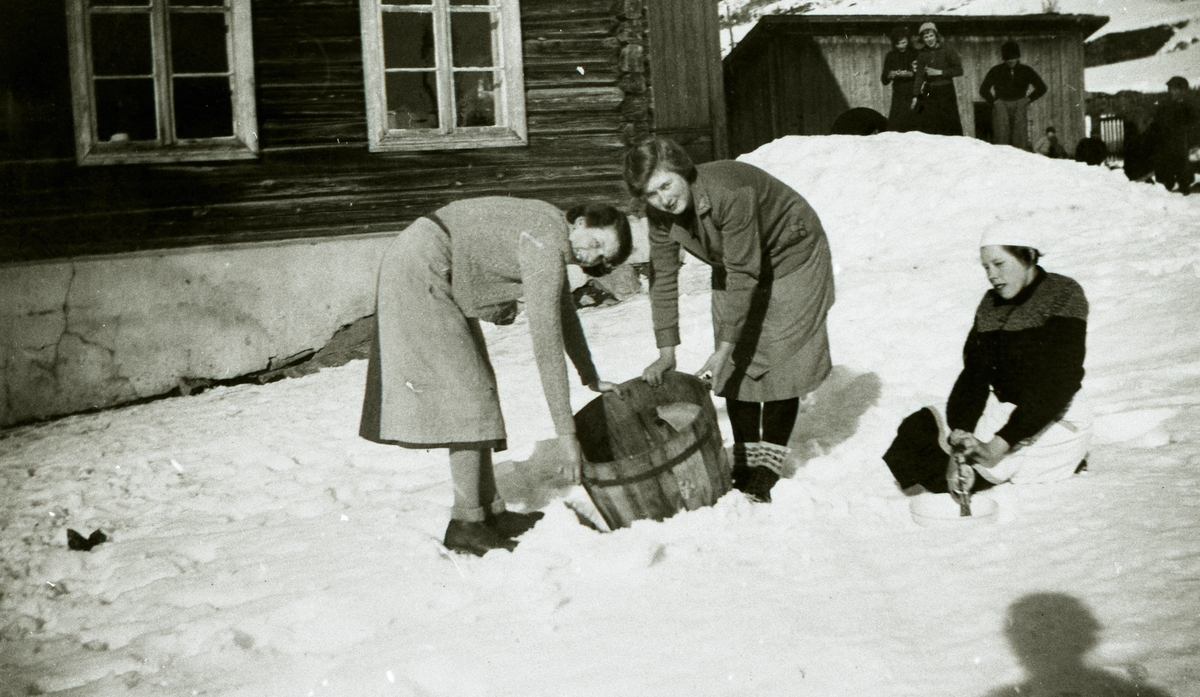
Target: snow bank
x: 258, y: 547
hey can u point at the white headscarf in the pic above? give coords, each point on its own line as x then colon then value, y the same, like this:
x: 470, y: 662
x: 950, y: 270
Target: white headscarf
x: 1013, y: 233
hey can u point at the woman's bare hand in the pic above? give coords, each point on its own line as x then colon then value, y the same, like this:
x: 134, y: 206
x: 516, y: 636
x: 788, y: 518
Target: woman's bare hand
x: 572, y: 464
x: 717, y: 365
x: 666, y: 361
x: 605, y: 386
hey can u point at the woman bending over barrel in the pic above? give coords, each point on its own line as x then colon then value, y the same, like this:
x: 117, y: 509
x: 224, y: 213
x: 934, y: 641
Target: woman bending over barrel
x: 772, y: 281
x: 1015, y: 412
x: 429, y: 381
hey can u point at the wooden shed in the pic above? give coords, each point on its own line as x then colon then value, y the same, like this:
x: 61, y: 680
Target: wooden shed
x: 795, y: 74
x: 180, y: 175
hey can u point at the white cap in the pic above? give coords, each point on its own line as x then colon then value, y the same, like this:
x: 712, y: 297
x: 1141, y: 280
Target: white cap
x: 1013, y: 233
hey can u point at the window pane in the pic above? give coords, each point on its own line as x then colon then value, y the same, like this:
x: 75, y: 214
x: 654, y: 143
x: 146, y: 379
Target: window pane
x: 412, y: 100
x: 474, y: 99
x: 198, y: 42
x: 455, y: 3
x: 471, y: 39
x: 121, y: 44
x: 203, y: 107
x: 125, y: 109
x: 407, y: 40
x: 426, y: 3
x: 197, y: 3
x: 122, y: 3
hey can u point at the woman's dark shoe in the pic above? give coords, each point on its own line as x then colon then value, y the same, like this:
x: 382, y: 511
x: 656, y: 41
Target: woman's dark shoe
x: 513, y: 524
x: 474, y: 538
x: 743, y: 454
x: 759, y: 486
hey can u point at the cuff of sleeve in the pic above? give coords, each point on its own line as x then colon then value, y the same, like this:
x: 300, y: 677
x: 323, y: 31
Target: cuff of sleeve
x: 726, y: 333
x: 589, y: 377
x: 666, y: 337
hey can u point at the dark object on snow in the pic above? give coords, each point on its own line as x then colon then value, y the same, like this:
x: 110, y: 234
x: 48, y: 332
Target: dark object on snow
x: 84, y: 544
x: 1139, y: 153
x: 1093, y: 151
x: 474, y: 538
x: 513, y: 524
x: 859, y: 121
x: 916, y: 455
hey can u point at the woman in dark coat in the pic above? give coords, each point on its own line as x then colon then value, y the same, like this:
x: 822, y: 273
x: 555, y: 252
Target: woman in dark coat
x: 899, y: 68
x: 1015, y: 411
x: 934, y: 97
x: 429, y: 381
x: 772, y: 288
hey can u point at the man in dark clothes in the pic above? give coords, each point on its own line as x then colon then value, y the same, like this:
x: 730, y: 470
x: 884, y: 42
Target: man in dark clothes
x: 1007, y: 88
x: 1172, y: 136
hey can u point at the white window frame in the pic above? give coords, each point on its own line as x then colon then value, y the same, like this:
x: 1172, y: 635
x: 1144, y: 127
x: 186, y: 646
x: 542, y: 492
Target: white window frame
x: 90, y: 150
x: 510, y: 129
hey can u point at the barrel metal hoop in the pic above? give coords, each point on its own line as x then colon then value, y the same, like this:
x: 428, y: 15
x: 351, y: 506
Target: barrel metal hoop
x: 701, y: 434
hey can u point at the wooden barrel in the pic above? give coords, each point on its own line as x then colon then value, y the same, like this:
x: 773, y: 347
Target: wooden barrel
x: 638, y: 464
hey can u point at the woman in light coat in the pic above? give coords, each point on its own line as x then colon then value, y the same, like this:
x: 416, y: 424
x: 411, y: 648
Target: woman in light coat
x: 429, y: 381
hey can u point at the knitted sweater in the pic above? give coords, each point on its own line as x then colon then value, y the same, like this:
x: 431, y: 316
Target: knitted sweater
x: 504, y: 249
x: 1002, y: 82
x: 1029, y: 351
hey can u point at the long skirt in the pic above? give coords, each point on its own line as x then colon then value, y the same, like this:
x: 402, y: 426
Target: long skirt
x: 937, y: 111
x: 783, y: 351
x: 1050, y: 455
x: 429, y: 381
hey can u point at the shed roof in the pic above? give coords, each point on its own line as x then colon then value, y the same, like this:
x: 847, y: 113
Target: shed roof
x: 773, y: 26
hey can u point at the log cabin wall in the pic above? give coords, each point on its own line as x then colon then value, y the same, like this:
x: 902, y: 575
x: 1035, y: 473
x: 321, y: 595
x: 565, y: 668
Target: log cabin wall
x: 314, y: 176
x: 797, y: 74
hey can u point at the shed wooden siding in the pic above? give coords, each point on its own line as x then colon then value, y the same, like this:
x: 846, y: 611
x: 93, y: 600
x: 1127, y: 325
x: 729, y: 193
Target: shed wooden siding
x: 798, y: 82
x: 686, y: 75
x: 315, y: 176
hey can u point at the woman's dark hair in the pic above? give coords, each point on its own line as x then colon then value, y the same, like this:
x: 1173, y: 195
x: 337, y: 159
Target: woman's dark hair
x: 656, y: 153
x: 1028, y: 256
x: 898, y: 33
x: 603, y: 215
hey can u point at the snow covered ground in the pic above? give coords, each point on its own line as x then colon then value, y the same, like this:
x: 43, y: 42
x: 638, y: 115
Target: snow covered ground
x: 259, y: 548
x: 1145, y: 75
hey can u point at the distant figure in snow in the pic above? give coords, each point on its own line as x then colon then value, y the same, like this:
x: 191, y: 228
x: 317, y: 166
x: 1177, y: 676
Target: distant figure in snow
x: 1010, y: 88
x: 772, y: 279
x: 1015, y: 410
x: 899, y: 69
x: 935, y: 100
x: 430, y: 383
x: 1172, y: 133
x: 1050, y: 146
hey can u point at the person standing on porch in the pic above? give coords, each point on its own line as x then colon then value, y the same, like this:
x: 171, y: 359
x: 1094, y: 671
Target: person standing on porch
x: 1010, y: 88
x: 899, y: 67
x: 935, y: 100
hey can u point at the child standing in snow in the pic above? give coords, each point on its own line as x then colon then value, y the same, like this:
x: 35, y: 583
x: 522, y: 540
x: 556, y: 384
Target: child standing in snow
x: 1015, y: 410
x: 429, y: 381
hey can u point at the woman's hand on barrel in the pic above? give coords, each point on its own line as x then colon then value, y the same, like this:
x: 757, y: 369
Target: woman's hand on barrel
x: 653, y: 373
x: 572, y: 463
x: 605, y: 386
x: 717, y: 366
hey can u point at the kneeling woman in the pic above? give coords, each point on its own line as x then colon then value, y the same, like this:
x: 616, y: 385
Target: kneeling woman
x: 1015, y: 410
x: 429, y: 381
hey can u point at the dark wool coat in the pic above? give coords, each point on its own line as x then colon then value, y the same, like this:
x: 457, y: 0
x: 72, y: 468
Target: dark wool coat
x: 1029, y: 351
x: 937, y: 110
x: 900, y: 114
